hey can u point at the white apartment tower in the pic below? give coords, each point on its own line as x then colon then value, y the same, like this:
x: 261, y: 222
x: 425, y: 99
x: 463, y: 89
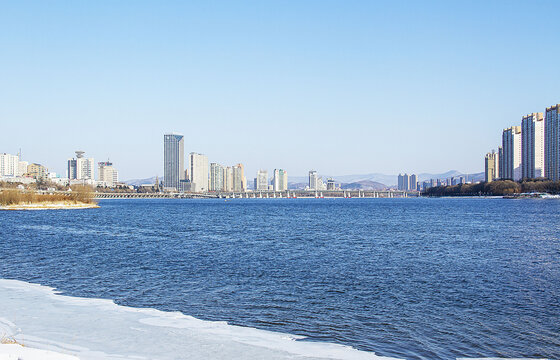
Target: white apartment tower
x: 9, y: 165
x: 280, y: 180
x: 262, y: 180
x: 199, y: 172
x: 511, y: 143
x: 552, y: 142
x: 239, y: 182
x: 228, y: 179
x: 532, y: 146
x: 173, y: 160
x: 313, y: 180
x: 81, y: 168
x: 108, y: 174
x: 216, y: 177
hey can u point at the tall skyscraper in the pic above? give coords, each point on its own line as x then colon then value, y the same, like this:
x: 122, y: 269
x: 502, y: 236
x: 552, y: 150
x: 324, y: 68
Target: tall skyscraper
x: 81, y: 168
x: 403, y: 182
x: 108, y: 174
x: 413, y: 182
x: 532, y: 146
x: 490, y: 166
x: 280, y: 180
x: 199, y: 172
x: 552, y: 142
x: 262, y: 180
x: 239, y: 181
x: 228, y: 179
x: 216, y: 177
x: 500, y: 161
x: 173, y: 160
x: 511, y: 143
x: 313, y: 180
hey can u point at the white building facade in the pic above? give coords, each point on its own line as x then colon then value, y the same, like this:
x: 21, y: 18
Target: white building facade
x: 512, y: 157
x: 81, y: 168
x: 199, y: 172
x: 262, y: 180
x: 217, y: 173
x: 107, y: 174
x: 280, y: 180
x: 532, y: 146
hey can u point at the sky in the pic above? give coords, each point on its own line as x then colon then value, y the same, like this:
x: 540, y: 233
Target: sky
x: 341, y: 87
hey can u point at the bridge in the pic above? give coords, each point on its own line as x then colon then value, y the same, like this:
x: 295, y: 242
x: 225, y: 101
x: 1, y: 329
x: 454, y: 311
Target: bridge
x: 289, y: 194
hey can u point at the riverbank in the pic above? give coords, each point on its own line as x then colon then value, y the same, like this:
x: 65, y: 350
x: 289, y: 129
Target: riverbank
x: 57, y: 205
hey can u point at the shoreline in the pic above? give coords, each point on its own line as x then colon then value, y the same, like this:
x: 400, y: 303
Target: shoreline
x: 50, y: 206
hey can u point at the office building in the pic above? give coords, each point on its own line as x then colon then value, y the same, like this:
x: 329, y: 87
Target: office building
x: 216, y: 177
x: 313, y: 180
x: 280, y: 180
x: 331, y: 184
x: 500, y: 162
x: 413, y: 184
x: 199, y: 172
x: 261, y: 181
x: 107, y: 174
x: 81, y: 168
x: 552, y: 142
x: 532, y: 146
x: 490, y: 166
x: 511, y: 144
x: 173, y: 160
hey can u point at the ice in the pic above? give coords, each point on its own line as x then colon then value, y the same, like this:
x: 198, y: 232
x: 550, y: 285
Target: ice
x: 39, y: 318
x: 18, y: 352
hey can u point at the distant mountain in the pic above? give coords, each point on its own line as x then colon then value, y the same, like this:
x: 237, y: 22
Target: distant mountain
x: 138, y: 182
x: 363, y: 185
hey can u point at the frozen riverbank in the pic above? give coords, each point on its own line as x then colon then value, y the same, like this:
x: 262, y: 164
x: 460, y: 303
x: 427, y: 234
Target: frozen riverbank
x: 99, y: 329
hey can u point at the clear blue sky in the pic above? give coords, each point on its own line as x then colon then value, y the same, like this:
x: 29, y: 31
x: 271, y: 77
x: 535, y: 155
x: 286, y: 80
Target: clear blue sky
x: 343, y: 87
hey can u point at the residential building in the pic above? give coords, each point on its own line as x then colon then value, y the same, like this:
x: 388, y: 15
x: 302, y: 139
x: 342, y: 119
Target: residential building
x: 22, y: 168
x: 37, y: 172
x: 331, y: 184
x: 313, y: 180
x: 280, y: 180
x: 261, y: 181
x: 552, y: 142
x: 216, y: 177
x: 9, y: 165
x: 490, y: 166
x: 199, y: 172
x: 107, y: 174
x: 413, y: 182
x: 511, y: 143
x: 239, y: 181
x: 228, y: 179
x: 532, y: 146
x: 173, y: 160
x: 81, y: 168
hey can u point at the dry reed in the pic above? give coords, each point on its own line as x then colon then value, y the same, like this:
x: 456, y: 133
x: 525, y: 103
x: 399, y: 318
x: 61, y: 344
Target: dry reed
x: 81, y: 194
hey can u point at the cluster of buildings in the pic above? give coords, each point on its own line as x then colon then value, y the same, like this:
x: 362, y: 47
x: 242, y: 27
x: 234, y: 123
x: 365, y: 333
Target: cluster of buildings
x: 201, y: 176
x: 529, y: 151
x: 80, y: 170
x: 407, y: 182
x: 316, y: 182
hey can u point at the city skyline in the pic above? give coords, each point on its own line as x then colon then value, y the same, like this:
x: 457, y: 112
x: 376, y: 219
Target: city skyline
x: 346, y: 88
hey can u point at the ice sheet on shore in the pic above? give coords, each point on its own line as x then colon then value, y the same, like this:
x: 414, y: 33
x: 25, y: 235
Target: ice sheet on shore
x: 99, y: 329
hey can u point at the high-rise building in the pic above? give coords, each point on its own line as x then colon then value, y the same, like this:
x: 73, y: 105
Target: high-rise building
x: 413, y: 184
x: 9, y: 165
x: 330, y: 184
x: 511, y: 143
x: 81, y: 168
x: 500, y: 162
x: 107, y: 174
x: 532, y: 146
x: 228, y: 179
x: 490, y: 166
x: 313, y: 180
x: 216, y: 177
x: 199, y: 172
x: 239, y: 181
x: 552, y: 142
x: 280, y: 180
x: 173, y: 160
x: 261, y: 183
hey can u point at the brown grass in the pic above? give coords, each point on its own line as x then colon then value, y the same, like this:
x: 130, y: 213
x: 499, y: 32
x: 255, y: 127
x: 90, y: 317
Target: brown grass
x: 8, y: 340
x: 79, y: 194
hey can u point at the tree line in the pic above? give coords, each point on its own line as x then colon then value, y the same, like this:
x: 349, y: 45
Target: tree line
x: 495, y: 188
